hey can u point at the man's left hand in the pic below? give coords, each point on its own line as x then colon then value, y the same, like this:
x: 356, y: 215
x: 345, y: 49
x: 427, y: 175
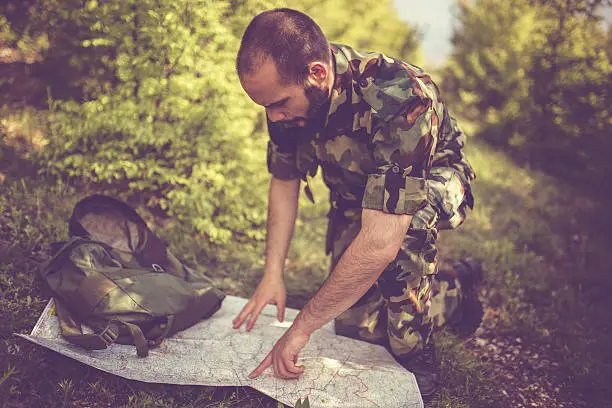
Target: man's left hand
x: 284, y: 355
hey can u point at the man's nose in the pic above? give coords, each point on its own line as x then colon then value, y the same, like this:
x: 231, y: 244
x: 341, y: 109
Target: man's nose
x: 276, y: 115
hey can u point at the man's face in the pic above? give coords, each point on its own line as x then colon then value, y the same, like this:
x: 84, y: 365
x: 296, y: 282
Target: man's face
x: 287, y: 105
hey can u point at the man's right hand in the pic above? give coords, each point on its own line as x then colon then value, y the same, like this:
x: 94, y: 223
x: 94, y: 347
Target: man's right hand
x: 271, y: 290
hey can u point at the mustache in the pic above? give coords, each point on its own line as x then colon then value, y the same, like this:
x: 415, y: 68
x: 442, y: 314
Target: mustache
x: 291, y: 123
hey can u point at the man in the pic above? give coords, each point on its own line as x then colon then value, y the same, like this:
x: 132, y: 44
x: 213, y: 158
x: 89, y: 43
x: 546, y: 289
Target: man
x: 391, y: 157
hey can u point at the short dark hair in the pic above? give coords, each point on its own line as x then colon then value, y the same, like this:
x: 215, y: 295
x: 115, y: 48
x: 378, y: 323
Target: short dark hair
x: 289, y: 37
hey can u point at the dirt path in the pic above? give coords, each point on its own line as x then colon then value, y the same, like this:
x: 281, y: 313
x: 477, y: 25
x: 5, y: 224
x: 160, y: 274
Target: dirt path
x: 530, y: 374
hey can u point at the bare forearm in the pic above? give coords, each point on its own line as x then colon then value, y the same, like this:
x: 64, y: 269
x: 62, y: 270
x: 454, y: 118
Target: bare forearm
x: 282, y: 212
x: 354, y: 274
x: 359, y: 267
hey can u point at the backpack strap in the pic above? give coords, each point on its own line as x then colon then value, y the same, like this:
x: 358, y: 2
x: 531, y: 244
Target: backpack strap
x: 161, y: 331
x: 142, y: 347
x: 73, y: 332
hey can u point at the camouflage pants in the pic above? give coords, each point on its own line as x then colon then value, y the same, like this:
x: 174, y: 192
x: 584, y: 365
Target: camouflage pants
x: 410, y: 299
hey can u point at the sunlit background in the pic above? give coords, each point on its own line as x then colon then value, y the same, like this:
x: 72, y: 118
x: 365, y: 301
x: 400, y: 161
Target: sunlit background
x: 139, y: 99
x: 435, y: 19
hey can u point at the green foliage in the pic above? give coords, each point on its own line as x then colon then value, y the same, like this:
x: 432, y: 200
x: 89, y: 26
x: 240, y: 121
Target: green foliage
x: 34, y: 214
x: 488, y: 68
x: 175, y: 126
x: 25, y: 47
x: 572, y: 91
x: 162, y: 115
x: 536, y: 76
x: 550, y: 280
x: 546, y: 265
x: 368, y: 25
x: 302, y: 404
x: 6, y: 33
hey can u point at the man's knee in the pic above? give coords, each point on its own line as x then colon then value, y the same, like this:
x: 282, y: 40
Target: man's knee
x: 365, y: 320
x: 407, y: 332
x: 409, y: 325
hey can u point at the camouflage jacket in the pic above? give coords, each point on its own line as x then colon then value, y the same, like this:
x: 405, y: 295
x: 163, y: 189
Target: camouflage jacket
x: 387, y: 142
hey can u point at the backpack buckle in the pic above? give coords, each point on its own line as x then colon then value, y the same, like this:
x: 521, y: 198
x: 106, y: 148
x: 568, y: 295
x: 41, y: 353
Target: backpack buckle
x: 157, y: 268
x: 110, y: 334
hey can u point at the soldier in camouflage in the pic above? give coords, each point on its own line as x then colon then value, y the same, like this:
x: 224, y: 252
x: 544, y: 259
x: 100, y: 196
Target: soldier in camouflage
x: 392, y: 158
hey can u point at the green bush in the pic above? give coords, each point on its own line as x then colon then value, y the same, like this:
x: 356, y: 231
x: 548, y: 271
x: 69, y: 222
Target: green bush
x: 163, y: 116
x: 176, y: 126
x: 536, y: 76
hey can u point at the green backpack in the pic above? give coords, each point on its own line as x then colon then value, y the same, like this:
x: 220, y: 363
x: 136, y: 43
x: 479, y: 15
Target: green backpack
x: 117, y: 277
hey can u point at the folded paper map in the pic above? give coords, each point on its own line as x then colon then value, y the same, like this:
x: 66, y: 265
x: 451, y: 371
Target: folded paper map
x: 339, y: 372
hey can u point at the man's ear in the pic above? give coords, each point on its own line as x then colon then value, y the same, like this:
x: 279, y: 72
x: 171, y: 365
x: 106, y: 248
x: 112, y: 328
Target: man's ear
x: 317, y: 73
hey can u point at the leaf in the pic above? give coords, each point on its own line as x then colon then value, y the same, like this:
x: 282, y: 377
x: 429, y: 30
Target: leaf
x: 302, y: 404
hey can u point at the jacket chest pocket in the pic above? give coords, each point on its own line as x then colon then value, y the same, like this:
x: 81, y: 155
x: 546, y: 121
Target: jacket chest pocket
x: 350, y: 152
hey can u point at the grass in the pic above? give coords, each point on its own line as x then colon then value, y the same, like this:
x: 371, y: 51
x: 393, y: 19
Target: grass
x: 546, y: 265
x: 546, y: 262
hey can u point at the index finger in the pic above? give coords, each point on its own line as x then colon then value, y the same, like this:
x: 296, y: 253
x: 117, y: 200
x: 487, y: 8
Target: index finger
x: 246, y: 310
x: 262, y: 366
x: 255, y: 315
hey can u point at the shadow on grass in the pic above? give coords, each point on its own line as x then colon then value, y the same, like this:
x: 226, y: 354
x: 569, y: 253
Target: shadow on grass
x: 546, y: 249
x: 14, y: 161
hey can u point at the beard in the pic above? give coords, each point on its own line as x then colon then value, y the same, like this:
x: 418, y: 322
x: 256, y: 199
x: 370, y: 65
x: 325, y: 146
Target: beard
x: 318, y: 100
x: 318, y: 105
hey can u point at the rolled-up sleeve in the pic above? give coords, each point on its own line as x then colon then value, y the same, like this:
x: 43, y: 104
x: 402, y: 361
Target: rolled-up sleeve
x: 281, y: 156
x: 451, y: 175
x: 402, y: 149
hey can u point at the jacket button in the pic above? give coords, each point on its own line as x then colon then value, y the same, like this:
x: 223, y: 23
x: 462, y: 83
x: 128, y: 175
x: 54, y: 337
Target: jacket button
x: 395, y: 169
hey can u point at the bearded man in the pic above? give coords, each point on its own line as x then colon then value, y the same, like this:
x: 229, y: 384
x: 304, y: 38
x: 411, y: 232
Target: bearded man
x: 392, y: 158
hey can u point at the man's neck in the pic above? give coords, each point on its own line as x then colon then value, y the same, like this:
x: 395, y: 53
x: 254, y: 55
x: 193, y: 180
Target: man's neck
x: 331, y: 80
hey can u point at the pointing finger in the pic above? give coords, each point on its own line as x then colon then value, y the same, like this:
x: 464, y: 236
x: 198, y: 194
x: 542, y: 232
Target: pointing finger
x: 262, y: 366
x: 281, y: 310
